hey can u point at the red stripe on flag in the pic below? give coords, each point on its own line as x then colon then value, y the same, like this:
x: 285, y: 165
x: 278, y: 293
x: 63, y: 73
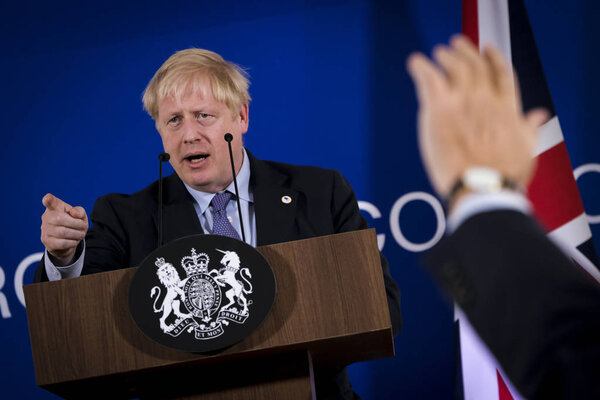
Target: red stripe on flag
x: 470, y: 25
x: 553, y: 190
x: 503, y: 392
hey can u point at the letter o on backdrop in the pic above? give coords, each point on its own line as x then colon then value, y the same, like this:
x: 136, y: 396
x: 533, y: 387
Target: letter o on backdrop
x: 395, y: 221
x: 582, y: 169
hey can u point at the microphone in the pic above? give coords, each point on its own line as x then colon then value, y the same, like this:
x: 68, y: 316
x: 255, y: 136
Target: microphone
x: 162, y: 157
x: 228, y: 138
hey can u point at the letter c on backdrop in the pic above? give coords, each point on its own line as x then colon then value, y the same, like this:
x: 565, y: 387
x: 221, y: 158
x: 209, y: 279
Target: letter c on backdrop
x: 374, y: 212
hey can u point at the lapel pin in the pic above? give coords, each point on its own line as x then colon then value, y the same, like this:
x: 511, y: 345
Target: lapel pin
x: 286, y: 199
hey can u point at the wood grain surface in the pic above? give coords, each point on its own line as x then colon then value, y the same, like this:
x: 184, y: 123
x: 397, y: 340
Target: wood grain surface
x: 330, y: 302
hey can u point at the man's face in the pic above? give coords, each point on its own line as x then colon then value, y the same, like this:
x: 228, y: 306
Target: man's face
x: 192, y: 133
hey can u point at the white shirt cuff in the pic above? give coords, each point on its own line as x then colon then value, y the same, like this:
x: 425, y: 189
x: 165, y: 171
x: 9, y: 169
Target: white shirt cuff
x: 69, y: 271
x: 476, y: 203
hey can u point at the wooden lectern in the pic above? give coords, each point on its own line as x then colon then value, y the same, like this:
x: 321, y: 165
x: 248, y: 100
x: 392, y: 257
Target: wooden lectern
x: 330, y: 309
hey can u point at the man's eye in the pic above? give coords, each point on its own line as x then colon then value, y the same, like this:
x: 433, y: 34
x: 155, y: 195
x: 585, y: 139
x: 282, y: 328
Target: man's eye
x: 175, y: 119
x: 202, y: 115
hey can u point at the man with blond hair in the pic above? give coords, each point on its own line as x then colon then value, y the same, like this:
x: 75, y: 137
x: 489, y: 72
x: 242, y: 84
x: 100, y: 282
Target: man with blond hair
x: 195, y: 98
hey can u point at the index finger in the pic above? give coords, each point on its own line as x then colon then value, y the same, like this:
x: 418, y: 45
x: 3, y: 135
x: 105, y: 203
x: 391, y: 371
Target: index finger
x: 53, y: 203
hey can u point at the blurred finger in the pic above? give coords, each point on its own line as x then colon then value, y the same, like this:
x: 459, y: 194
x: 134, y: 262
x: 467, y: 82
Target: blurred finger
x: 501, y: 71
x: 478, y: 66
x: 428, y: 79
x: 454, y: 66
x: 505, y: 78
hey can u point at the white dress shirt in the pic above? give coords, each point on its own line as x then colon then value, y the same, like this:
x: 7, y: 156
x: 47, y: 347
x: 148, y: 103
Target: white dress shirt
x: 204, y: 212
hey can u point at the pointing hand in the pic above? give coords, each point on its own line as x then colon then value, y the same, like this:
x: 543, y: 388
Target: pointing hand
x: 63, y: 228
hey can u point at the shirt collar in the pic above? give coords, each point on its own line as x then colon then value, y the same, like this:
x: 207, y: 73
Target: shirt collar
x: 243, y: 179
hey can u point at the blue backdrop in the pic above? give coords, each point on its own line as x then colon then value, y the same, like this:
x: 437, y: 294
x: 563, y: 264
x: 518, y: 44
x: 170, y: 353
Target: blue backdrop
x: 329, y: 88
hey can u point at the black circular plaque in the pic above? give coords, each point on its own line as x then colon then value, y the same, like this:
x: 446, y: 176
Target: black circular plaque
x: 202, y: 293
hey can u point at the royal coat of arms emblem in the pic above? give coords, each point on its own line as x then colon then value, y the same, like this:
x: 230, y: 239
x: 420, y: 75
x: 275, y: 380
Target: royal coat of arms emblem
x: 202, y: 293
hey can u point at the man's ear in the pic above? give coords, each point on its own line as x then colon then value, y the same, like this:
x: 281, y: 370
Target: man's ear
x: 244, y: 115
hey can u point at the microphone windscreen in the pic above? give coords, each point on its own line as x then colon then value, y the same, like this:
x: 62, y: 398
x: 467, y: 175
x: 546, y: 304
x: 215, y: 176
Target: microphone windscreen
x: 164, y: 157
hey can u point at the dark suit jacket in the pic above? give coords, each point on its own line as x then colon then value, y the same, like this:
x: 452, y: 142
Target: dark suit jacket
x: 124, y: 227
x: 536, y: 311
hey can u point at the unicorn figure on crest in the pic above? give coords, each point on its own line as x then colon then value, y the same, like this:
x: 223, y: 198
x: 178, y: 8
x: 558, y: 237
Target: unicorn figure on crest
x: 227, y: 276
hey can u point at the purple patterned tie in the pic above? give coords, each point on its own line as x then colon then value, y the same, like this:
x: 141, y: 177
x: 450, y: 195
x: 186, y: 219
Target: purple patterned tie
x: 221, y: 224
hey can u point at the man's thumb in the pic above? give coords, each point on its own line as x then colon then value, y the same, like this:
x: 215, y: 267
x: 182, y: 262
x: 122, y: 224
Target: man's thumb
x: 77, y: 212
x: 537, y: 117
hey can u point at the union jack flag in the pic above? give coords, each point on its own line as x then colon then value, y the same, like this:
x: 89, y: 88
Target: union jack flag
x: 553, y: 191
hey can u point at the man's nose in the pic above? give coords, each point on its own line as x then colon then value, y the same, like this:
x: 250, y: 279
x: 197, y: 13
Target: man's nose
x: 192, y: 131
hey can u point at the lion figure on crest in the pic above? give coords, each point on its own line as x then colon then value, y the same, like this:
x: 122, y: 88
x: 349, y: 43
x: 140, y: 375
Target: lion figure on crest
x: 169, y: 277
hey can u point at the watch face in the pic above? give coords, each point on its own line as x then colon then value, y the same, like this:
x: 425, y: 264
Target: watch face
x: 202, y: 293
x: 482, y: 179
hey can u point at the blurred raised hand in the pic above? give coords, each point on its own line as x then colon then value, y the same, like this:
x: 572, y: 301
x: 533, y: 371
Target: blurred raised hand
x: 470, y: 115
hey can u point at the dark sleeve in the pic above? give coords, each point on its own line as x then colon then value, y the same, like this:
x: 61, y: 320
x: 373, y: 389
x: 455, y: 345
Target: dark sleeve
x: 106, y: 240
x: 347, y: 217
x: 536, y: 311
x: 40, y: 274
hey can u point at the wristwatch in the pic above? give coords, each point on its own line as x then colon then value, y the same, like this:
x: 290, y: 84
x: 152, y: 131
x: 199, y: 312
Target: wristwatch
x: 480, y: 180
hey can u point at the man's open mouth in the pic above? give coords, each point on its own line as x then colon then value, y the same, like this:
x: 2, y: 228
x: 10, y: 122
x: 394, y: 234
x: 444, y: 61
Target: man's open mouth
x: 196, y: 157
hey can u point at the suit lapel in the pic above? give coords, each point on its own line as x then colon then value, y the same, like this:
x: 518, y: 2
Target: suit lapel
x: 275, y: 216
x: 179, y: 216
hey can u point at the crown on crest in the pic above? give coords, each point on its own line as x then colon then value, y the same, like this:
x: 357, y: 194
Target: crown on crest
x: 160, y: 261
x: 195, y: 264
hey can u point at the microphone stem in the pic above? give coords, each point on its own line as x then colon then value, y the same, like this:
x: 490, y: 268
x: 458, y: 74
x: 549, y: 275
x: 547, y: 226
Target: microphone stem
x: 160, y: 202
x: 237, y: 196
x: 161, y: 158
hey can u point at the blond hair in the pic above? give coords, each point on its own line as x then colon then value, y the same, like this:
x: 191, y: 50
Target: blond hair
x: 185, y: 69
